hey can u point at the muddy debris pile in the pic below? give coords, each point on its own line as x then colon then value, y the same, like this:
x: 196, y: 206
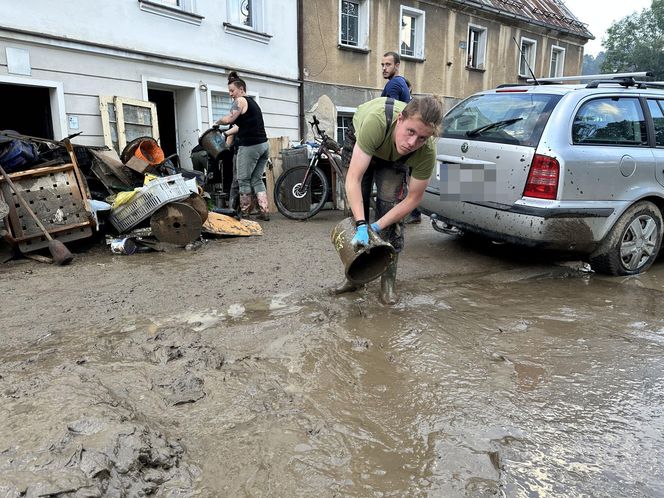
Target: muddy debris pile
x: 54, y: 193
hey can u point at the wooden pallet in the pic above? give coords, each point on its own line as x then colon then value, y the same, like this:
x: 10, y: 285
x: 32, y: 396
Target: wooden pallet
x: 58, y: 196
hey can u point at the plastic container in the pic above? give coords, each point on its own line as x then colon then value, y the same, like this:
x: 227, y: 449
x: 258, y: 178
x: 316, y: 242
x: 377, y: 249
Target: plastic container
x: 154, y: 195
x: 214, y: 142
x: 150, y: 152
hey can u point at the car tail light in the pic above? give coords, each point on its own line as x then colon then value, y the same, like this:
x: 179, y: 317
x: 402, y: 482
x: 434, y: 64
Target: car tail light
x: 542, y: 180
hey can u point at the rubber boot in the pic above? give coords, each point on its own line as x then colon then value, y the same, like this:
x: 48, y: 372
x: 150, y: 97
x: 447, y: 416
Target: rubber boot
x: 388, y: 293
x: 346, y: 286
x: 253, y: 207
x: 263, y: 206
x: 245, y: 205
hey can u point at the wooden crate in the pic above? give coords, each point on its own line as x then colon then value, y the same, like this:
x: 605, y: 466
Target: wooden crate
x: 58, y: 196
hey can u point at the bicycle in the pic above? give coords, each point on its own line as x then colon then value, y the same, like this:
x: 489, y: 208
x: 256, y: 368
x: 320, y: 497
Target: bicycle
x: 302, y: 191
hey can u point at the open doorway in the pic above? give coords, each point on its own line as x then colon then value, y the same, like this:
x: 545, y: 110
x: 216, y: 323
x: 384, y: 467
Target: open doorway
x: 165, y: 102
x: 26, y: 109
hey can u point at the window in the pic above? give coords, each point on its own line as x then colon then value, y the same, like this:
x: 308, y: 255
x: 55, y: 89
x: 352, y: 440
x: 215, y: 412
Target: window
x: 220, y: 102
x: 344, y: 119
x: 354, y: 23
x: 248, y: 19
x: 527, y: 57
x: 124, y: 120
x: 655, y: 107
x: 523, y: 117
x: 180, y: 10
x: 557, y: 61
x: 610, y: 121
x: 476, y: 46
x: 411, y: 33
x: 221, y: 105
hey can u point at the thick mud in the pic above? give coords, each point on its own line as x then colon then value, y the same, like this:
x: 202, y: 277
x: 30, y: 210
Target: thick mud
x: 494, y: 375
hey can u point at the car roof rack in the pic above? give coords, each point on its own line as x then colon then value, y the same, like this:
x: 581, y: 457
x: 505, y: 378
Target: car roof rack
x: 652, y: 84
x: 591, y: 77
x: 626, y: 82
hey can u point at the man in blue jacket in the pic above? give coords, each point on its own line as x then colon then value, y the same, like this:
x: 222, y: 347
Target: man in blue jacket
x: 396, y: 86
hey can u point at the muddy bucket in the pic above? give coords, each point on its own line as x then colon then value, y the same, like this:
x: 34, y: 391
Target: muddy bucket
x: 214, y: 142
x: 363, y: 264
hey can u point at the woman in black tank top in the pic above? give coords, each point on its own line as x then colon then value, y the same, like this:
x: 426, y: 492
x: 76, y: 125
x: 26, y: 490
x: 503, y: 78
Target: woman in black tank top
x: 252, y: 151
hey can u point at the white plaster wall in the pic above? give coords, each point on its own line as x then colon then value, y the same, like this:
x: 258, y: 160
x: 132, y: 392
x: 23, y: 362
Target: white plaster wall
x: 113, y: 48
x: 123, y: 25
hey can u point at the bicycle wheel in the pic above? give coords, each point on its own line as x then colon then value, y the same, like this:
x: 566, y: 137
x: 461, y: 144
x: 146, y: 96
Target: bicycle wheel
x: 298, y: 200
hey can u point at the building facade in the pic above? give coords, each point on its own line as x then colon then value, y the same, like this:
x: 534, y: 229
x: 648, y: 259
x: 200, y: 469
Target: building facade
x: 117, y: 70
x: 448, y: 48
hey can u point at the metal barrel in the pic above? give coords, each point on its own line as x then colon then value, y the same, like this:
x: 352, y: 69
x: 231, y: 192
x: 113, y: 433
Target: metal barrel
x: 363, y: 264
x: 213, y: 142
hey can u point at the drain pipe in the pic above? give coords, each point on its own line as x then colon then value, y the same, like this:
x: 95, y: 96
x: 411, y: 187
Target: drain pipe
x: 300, y: 65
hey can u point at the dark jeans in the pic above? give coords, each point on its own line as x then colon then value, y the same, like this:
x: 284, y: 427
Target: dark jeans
x: 390, y: 179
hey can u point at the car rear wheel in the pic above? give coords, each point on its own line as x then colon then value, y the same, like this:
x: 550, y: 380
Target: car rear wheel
x: 632, y: 244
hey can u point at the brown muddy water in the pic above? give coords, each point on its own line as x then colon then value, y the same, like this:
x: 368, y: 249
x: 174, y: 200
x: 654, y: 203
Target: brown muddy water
x: 514, y: 383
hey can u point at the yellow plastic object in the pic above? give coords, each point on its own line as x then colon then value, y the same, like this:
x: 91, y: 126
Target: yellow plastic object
x: 124, y: 197
x: 220, y: 224
x: 148, y: 178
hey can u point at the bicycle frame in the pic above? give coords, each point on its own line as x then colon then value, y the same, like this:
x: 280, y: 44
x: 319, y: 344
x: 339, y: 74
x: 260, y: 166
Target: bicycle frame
x: 301, y: 191
x: 324, y: 150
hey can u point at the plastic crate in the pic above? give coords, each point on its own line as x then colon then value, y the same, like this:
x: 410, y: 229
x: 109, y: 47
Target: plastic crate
x: 154, y: 195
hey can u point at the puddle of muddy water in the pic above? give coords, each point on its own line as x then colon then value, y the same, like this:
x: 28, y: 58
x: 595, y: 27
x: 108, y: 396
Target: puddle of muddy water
x: 505, y: 384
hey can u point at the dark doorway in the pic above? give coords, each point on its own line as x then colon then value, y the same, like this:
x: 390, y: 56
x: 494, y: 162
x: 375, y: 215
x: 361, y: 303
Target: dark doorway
x: 26, y: 109
x: 165, y: 102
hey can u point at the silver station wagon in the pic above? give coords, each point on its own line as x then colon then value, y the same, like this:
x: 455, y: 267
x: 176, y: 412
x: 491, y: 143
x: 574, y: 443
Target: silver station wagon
x: 573, y: 167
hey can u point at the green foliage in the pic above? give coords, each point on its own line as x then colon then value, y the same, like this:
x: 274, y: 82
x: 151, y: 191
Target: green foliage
x: 636, y: 42
x: 593, y: 65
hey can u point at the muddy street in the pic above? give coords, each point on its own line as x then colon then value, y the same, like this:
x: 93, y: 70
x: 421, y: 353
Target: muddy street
x: 230, y: 371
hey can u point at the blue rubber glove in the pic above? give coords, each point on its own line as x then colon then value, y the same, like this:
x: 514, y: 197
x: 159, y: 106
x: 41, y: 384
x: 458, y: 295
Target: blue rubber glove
x: 375, y: 227
x: 361, y: 237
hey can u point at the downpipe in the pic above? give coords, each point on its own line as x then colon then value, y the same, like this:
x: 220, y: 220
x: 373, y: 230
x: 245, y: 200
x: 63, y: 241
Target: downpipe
x: 442, y: 227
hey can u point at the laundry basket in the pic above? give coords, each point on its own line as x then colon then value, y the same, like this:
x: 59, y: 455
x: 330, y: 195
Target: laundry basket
x: 155, y: 194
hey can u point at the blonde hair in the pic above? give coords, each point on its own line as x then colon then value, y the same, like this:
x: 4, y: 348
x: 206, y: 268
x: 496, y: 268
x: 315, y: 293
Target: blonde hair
x: 428, y: 109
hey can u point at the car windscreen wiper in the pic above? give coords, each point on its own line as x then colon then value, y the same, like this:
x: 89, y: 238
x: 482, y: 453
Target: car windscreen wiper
x: 491, y: 126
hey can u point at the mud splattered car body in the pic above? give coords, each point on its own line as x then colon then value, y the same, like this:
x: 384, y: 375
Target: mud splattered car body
x: 575, y: 167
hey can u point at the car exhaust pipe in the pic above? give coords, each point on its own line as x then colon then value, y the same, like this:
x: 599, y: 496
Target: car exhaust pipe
x: 442, y: 227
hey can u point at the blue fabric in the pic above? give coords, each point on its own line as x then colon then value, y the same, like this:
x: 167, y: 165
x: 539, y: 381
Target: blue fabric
x: 397, y: 89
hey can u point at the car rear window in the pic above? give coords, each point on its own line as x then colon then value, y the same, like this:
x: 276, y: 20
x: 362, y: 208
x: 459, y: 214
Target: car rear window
x: 513, y: 118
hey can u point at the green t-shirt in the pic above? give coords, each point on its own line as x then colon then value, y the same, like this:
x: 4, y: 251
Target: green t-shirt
x: 369, y: 123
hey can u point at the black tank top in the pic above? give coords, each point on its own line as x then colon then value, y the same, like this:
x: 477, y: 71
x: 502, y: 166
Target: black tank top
x: 251, y: 128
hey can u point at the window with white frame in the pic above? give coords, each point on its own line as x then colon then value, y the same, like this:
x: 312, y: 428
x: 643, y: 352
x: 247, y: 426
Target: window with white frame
x: 181, y: 10
x: 344, y: 119
x: 221, y: 104
x: 527, y: 57
x: 248, y: 14
x: 557, y: 61
x: 476, y: 57
x: 354, y: 23
x: 411, y: 33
